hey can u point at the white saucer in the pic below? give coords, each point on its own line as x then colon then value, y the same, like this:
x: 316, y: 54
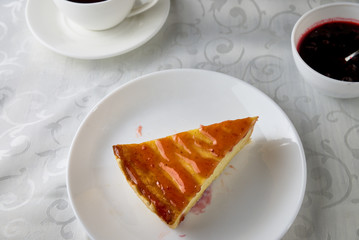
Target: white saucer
x: 53, y: 30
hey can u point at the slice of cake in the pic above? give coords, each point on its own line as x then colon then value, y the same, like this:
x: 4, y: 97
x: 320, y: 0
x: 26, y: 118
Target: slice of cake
x: 170, y: 174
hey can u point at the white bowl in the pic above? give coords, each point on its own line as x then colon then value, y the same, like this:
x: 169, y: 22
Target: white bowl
x: 328, y: 86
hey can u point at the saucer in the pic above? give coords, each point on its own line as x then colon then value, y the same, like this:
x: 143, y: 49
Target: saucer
x: 61, y: 35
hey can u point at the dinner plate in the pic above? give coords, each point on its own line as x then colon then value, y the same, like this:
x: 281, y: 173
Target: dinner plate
x: 256, y: 197
x: 61, y: 35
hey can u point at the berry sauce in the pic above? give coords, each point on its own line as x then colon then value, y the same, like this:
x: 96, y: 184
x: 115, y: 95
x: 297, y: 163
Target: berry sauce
x: 325, y: 47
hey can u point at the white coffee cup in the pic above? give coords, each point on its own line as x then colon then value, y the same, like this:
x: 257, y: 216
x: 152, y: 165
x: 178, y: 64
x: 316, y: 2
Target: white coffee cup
x: 103, y: 14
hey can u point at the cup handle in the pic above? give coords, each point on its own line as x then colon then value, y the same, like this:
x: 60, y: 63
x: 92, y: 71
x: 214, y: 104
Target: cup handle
x: 142, y: 8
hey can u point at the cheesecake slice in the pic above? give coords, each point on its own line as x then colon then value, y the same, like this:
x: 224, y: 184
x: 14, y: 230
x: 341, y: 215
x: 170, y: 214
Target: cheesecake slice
x: 170, y: 174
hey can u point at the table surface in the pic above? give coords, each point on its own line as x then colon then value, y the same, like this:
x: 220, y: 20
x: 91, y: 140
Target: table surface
x: 44, y: 97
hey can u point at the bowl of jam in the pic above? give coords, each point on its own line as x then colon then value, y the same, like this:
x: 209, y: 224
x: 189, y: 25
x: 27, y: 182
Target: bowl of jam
x: 322, y: 41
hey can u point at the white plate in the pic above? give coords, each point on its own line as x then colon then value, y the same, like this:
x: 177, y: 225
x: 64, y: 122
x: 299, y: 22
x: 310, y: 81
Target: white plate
x: 57, y: 33
x: 256, y: 201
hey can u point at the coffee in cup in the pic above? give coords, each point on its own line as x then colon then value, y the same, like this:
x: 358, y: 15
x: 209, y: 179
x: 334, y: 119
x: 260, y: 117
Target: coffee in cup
x: 101, y: 14
x: 86, y: 1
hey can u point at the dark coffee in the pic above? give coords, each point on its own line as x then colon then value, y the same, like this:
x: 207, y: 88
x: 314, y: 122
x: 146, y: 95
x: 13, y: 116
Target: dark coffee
x: 86, y: 1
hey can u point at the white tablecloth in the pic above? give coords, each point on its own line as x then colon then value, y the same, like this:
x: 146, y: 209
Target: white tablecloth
x: 44, y: 97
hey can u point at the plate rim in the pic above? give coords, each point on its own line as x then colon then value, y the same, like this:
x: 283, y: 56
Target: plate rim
x: 94, y: 56
x: 191, y: 70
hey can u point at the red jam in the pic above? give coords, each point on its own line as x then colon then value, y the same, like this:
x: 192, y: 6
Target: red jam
x: 325, y: 47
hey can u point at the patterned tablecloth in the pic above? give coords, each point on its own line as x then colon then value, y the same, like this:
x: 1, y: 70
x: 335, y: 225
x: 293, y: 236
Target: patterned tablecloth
x: 45, y: 96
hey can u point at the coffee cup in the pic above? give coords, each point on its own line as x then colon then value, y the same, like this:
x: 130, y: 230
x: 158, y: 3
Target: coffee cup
x: 101, y: 14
